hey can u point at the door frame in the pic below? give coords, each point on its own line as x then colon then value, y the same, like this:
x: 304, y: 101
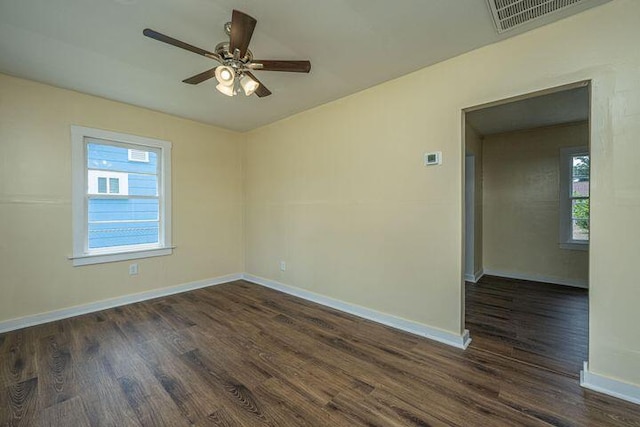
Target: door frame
x: 470, y: 215
x: 578, y: 84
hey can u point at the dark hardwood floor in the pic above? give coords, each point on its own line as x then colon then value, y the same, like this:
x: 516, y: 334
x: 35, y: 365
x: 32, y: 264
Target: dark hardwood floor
x: 538, y: 323
x: 240, y: 354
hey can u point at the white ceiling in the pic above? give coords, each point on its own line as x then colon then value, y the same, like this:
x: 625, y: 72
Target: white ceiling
x: 97, y: 47
x: 567, y: 106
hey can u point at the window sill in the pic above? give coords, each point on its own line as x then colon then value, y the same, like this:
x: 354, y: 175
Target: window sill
x: 575, y: 246
x: 120, y: 256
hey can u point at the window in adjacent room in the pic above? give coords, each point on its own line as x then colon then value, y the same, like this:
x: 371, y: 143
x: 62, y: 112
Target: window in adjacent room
x: 574, y: 198
x: 121, y: 196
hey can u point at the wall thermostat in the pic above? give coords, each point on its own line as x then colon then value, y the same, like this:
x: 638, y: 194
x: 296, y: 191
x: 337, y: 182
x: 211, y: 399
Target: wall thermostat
x: 434, y: 158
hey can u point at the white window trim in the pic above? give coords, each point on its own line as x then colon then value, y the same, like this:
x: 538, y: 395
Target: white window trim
x: 81, y: 254
x: 566, y: 174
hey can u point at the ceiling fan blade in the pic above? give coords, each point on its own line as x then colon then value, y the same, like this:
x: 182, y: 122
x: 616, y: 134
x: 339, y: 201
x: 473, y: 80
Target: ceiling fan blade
x: 290, y: 66
x: 262, y: 91
x: 175, y: 42
x: 242, y: 26
x: 199, y: 78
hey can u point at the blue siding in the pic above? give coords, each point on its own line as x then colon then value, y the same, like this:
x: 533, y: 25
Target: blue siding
x: 120, y: 230
x: 123, y: 209
x: 126, y: 221
x: 122, y: 233
x: 110, y: 158
x: 143, y: 185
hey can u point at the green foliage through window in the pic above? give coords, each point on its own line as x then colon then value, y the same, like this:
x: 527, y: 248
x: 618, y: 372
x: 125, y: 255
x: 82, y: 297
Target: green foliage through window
x: 581, y: 214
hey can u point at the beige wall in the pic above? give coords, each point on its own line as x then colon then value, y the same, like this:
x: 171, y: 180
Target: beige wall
x: 340, y: 192
x: 473, y: 145
x: 35, y: 200
x: 521, y: 205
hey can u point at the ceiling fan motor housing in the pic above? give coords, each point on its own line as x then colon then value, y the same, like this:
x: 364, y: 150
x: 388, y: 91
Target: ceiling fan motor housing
x: 222, y: 49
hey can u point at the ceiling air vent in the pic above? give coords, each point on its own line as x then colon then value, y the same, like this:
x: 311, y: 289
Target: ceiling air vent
x: 508, y: 14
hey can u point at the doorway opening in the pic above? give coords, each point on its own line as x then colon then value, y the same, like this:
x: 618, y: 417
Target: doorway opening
x: 526, y: 227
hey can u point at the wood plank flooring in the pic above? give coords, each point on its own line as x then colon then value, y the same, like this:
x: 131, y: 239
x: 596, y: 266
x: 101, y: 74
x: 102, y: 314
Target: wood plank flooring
x: 539, y: 323
x: 242, y: 355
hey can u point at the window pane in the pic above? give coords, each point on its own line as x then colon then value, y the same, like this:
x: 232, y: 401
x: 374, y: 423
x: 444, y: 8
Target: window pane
x: 143, y: 185
x: 112, y: 158
x: 580, y: 188
x: 580, y: 219
x: 578, y: 232
x: 102, y: 185
x: 118, y: 222
x: 114, y: 185
x: 104, y: 235
x: 580, y: 176
x: 122, y: 222
x: 580, y: 209
x: 131, y: 209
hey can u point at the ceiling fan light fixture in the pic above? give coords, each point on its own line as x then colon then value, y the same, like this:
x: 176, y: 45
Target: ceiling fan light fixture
x: 225, y: 75
x: 226, y: 90
x: 248, y: 85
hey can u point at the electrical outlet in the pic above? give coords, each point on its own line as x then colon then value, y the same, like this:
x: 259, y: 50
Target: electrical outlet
x: 283, y: 266
x: 133, y: 269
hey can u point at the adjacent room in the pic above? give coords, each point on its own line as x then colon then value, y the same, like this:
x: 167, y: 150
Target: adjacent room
x: 527, y: 200
x: 412, y: 213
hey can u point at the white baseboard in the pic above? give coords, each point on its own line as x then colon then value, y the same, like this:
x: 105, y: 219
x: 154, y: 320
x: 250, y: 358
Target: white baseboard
x: 610, y: 386
x: 37, y: 319
x: 576, y: 283
x: 475, y: 277
x: 459, y: 341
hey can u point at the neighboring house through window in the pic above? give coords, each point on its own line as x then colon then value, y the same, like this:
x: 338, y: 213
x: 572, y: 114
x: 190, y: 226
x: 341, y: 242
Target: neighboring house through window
x: 574, y: 197
x: 121, y: 196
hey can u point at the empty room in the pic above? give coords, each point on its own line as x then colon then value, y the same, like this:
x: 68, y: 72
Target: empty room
x: 337, y: 213
x: 527, y: 171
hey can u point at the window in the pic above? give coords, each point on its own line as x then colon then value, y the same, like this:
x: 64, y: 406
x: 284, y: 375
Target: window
x: 121, y: 202
x: 107, y: 182
x: 102, y: 185
x: 114, y: 185
x: 574, y: 198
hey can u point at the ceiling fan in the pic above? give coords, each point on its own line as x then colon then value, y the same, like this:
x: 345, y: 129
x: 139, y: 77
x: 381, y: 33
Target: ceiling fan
x: 236, y: 60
